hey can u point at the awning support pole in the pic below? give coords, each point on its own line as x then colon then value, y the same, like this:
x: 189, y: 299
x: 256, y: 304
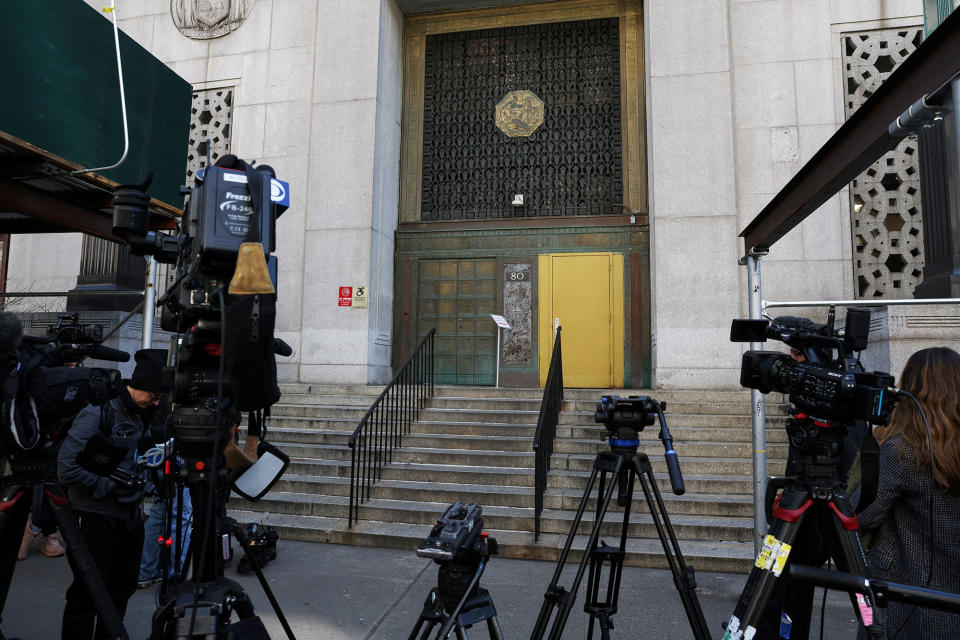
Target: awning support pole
x: 149, y: 302
x: 758, y: 410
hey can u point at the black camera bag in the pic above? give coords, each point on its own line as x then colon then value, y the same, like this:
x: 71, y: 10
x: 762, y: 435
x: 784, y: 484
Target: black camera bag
x: 249, y: 351
x: 249, y: 357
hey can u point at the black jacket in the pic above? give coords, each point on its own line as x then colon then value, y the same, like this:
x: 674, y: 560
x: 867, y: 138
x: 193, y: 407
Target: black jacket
x: 86, y: 490
x: 900, y: 519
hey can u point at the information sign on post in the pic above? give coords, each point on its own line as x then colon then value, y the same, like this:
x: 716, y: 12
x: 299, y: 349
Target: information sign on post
x: 501, y: 325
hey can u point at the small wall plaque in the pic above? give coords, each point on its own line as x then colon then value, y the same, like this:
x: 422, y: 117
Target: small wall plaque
x: 520, y: 113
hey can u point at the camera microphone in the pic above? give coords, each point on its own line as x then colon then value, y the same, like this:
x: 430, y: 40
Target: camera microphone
x: 100, y: 352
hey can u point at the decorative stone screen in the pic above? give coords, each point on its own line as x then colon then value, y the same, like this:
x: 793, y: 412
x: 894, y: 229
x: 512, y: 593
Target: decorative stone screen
x: 211, y: 122
x: 885, y: 199
x: 523, y: 122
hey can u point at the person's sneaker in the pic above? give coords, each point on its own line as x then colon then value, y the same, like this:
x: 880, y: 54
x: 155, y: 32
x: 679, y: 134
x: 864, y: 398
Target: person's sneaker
x: 28, y: 535
x: 52, y: 547
x: 149, y: 582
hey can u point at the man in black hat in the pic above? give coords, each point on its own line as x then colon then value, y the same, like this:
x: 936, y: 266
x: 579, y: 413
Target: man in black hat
x: 109, y: 513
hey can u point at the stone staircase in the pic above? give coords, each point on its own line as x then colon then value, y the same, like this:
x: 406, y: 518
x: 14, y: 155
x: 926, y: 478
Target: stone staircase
x: 474, y: 444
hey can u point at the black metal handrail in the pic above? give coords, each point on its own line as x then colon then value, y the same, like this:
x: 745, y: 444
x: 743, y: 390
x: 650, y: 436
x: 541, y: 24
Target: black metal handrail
x: 547, y: 428
x: 381, y: 430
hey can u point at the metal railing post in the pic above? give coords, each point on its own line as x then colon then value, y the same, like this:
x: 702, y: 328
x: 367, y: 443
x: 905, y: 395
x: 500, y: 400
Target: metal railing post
x: 759, y: 418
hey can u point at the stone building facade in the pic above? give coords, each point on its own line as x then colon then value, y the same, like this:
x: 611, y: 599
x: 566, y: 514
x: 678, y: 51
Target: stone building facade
x: 719, y: 103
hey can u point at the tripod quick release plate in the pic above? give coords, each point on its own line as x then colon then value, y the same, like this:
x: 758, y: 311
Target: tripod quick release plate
x: 455, y: 532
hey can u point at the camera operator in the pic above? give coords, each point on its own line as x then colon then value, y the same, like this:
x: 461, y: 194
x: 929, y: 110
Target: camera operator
x: 108, y: 513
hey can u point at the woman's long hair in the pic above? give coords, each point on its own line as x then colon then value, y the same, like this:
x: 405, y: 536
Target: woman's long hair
x: 933, y: 377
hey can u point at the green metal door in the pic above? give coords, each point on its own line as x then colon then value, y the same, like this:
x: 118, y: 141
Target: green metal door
x: 457, y: 297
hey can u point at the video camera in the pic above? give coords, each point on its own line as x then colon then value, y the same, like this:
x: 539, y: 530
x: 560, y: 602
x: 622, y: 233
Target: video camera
x: 222, y: 301
x: 830, y: 384
x: 39, y: 393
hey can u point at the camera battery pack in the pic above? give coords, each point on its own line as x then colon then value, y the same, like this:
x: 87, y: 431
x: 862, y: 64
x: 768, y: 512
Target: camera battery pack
x: 224, y: 217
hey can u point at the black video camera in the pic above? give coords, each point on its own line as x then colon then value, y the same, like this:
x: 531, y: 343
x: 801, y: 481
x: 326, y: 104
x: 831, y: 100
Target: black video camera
x: 40, y: 395
x: 830, y: 384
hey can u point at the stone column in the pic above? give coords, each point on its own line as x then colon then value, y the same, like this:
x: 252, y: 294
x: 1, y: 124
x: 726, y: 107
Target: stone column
x: 351, y: 211
x: 940, y: 191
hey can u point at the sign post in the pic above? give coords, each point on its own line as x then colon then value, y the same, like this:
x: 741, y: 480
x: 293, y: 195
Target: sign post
x: 501, y: 325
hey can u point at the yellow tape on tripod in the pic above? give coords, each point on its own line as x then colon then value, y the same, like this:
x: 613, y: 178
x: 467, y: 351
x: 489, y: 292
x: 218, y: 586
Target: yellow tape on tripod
x: 782, y: 554
x: 768, y: 553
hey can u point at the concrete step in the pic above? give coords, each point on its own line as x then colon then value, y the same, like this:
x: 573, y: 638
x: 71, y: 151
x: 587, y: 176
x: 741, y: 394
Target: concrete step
x: 732, y: 557
x: 583, y: 418
x: 524, y: 442
x: 510, y: 476
x: 522, y: 459
x: 516, y: 496
x: 689, y: 527
x: 486, y: 404
x: 480, y: 415
x: 664, y: 395
x: 474, y: 444
x: 500, y: 429
x: 459, y: 391
x: 329, y: 390
x: 340, y: 412
x: 681, y: 407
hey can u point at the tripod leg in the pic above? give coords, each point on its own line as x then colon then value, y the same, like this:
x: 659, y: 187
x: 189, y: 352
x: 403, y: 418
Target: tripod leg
x: 461, y: 633
x: 606, y: 463
x: 242, y: 539
x: 683, y: 576
x: 79, y: 553
x: 851, y: 559
x: 416, y: 629
x: 493, y: 628
x: 554, y: 593
x: 769, y: 565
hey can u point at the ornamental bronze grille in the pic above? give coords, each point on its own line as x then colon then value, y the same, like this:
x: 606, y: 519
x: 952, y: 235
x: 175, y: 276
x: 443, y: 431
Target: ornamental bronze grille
x: 570, y: 165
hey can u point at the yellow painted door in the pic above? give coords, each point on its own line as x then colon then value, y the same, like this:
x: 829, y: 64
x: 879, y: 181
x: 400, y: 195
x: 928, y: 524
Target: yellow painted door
x: 584, y: 293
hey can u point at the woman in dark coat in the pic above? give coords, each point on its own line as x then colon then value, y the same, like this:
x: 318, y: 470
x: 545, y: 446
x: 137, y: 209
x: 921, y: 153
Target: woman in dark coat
x: 915, y: 518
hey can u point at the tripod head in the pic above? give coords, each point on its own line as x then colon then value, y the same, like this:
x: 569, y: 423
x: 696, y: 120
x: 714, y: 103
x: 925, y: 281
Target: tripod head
x: 625, y: 418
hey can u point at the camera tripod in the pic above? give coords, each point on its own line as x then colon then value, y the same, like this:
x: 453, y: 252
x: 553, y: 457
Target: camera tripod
x: 34, y: 480
x: 470, y: 605
x: 624, y: 463
x: 814, y: 494
x: 202, y: 606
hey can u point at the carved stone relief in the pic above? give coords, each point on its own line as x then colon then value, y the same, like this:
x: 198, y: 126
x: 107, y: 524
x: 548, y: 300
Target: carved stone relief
x: 204, y: 19
x: 517, y: 309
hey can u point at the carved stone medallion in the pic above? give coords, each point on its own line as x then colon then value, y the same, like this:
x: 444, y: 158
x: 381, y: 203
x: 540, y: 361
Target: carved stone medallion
x: 520, y: 113
x: 203, y: 19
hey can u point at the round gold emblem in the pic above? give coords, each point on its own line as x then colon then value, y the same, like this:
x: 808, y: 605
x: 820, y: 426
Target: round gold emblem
x: 520, y: 113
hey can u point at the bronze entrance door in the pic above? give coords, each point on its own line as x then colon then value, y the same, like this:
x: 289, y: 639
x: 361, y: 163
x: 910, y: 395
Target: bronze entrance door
x: 457, y: 297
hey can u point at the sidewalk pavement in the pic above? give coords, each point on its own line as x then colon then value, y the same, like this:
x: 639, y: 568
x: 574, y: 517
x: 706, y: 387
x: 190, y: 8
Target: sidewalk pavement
x: 335, y: 592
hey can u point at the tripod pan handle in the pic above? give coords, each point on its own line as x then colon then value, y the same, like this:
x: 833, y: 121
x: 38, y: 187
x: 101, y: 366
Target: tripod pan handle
x: 673, y: 468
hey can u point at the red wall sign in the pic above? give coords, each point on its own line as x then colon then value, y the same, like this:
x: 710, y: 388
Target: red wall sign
x: 346, y: 297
